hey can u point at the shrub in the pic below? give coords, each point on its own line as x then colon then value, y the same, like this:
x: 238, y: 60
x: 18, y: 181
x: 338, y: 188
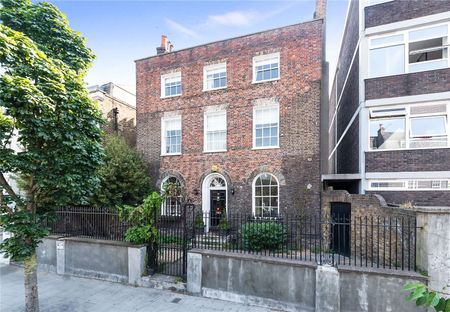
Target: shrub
x: 123, y: 176
x: 223, y: 224
x: 269, y: 235
x: 198, y: 222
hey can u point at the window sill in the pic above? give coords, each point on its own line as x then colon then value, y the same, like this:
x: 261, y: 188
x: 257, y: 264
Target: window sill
x: 216, y: 151
x: 406, y: 149
x: 221, y: 88
x: 262, y: 81
x: 264, y: 147
x: 173, y: 154
x: 169, y: 96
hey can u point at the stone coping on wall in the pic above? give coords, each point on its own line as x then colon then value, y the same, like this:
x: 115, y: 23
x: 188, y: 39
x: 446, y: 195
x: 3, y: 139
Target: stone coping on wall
x: 250, y: 257
x: 382, y: 271
x: 432, y: 209
x: 300, y: 263
x: 98, y: 241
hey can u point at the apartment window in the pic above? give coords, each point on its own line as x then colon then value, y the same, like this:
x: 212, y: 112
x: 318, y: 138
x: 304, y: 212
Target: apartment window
x: 215, y: 137
x: 266, y: 127
x: 215, y: 76
x: 416, y: 126
x: 266, y: 67
x: 265, y: 196
x: 428, y: 48
x: 409, y: 51
x: 171, y: 84
x: 410, y: 185
x: 171, y: 136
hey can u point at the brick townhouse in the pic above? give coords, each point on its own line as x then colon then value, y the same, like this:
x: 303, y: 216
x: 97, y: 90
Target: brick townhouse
x: 389, y: 111
x: 236, y: 122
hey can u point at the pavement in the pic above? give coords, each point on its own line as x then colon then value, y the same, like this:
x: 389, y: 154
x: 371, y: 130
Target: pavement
x: 67, y: 293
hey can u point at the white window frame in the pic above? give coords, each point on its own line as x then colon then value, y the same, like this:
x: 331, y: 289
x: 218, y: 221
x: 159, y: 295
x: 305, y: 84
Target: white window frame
x: 163, y: 84
x: 205, y: 118
x: 254, y: 194
x: 262, y: 58
x: 405, y: 42
x: 212, y: 67
x: 163, y: 137
x: 408, y: 117
x: 410, y: 185
x: 255, y: 108
x: 163, y: 204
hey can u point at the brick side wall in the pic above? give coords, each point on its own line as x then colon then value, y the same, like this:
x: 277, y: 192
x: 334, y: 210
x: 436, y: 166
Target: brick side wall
x: 408, y: 84
x: 349, y: 42
x: 348, y: 150
x: 419, y: 198
x: 400, y: 10
x: 408, y: 160
x: 296, y: 163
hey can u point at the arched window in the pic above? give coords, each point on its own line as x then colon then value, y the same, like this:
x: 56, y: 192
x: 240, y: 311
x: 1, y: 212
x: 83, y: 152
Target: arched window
x: 171, y: 206
x: 265, y: 196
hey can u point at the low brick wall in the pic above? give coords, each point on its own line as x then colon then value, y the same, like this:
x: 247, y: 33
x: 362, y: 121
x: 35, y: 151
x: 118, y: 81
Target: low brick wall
x: 381, y: 235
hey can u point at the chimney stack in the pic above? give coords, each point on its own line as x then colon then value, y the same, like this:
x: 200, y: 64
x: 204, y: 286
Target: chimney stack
x: 321, y: 9
x: 165, y: 47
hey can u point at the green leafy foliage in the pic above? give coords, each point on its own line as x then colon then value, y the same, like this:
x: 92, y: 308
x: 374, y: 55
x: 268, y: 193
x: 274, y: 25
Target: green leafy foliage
x: 123, y: 176
x: 263, y: 235
x: 198, y: 222
x: 223, y: 224
x: 42, y: 88
x: 143, y: 218
x: 425, y: 297
x: 27, y: 231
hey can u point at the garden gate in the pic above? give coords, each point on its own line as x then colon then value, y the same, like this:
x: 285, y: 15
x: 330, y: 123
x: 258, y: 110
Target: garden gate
x: 175, y: 233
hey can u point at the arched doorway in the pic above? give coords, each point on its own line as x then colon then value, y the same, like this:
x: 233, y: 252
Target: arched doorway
x: 214, y: 199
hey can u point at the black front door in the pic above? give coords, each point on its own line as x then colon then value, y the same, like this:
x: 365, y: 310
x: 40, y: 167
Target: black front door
x: 341, y: 217
x: 218, y: 209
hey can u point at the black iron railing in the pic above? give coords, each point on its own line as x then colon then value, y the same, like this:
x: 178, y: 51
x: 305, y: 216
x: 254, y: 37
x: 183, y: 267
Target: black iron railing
x: 359, y: 240
x: 367, y: 241
x: 90, y: 222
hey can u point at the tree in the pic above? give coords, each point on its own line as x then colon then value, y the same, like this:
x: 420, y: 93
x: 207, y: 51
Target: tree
x: 42, y: 89
x: 123, y: 176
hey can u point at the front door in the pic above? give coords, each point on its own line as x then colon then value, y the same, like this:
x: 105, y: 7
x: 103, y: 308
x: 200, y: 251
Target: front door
x: 217, y: 206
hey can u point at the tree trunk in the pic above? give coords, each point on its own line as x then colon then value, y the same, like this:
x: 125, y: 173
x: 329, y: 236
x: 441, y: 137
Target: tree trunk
x: 31, y: 288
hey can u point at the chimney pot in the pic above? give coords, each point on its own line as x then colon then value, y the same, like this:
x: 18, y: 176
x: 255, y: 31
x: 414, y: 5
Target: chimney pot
x: 165, y: 46
x: 321, y: 6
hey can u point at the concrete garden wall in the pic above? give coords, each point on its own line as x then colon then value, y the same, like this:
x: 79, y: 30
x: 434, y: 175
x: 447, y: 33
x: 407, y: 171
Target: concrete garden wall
x: 296, y: 286
x: 101, y: 259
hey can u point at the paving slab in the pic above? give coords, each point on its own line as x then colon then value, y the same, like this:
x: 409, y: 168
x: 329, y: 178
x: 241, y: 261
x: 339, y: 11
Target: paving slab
x: 72, y: 294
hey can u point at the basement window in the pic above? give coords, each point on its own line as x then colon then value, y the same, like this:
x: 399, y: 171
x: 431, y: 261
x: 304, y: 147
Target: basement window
x: 410, y: 185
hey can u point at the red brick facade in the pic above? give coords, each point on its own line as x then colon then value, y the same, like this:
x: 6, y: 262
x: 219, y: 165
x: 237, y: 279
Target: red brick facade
x: 296, y: 163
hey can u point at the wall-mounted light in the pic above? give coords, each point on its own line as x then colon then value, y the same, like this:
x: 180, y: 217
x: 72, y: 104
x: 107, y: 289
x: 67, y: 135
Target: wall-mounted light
x: 232, y: 190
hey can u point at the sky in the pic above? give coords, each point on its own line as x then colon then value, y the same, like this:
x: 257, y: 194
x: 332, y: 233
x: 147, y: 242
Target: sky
x: 120, y: 32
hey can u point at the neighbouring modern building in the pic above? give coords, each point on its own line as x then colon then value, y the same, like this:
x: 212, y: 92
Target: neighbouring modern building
x: 118, y: 106
x: 389, y: 130
x: 237, y: 122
